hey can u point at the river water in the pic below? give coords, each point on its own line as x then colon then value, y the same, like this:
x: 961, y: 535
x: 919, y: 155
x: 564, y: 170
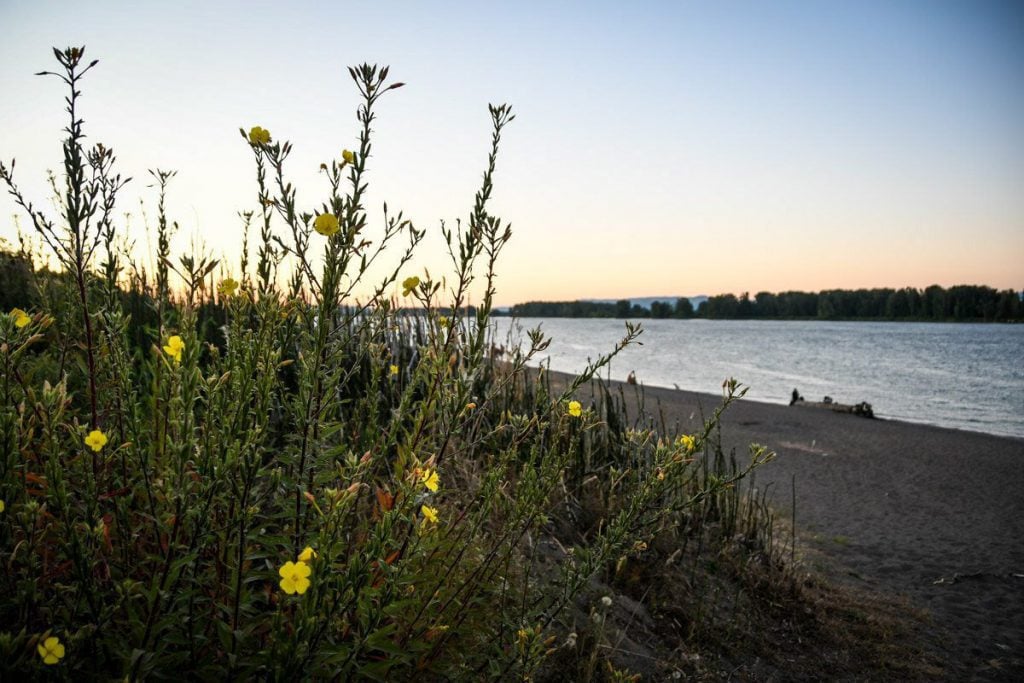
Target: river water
x: 962, y: 375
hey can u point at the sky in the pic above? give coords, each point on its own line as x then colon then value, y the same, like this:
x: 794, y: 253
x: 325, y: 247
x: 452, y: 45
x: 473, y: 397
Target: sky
x: 659, y: 148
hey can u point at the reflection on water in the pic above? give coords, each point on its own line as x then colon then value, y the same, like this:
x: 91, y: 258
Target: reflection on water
x: 969, y: 376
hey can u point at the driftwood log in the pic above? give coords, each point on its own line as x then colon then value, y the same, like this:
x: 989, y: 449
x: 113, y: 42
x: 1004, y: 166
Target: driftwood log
x: 863, y: 408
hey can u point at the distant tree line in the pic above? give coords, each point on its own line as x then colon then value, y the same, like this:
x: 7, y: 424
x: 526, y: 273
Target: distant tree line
x: 935, y: 303
x: 681, y: 308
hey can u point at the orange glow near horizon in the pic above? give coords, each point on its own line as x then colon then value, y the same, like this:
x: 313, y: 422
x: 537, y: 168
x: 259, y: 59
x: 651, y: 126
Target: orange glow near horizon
x: 666, y: 149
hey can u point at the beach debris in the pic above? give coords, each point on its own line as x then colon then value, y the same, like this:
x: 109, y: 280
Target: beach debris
x: 863, y: 409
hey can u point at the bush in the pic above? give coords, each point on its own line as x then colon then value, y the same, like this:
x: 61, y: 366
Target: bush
x: 237, y: 479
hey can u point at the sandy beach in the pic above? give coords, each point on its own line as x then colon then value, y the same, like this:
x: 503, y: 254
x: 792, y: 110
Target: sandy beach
x: 930, y: 514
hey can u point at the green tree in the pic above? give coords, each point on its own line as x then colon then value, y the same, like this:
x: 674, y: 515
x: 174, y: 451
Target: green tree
x: 684, y: 308
x: 661, y: 309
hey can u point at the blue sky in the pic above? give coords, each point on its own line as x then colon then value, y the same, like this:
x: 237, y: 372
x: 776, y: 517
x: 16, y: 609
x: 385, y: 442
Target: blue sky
x: 659, y: 148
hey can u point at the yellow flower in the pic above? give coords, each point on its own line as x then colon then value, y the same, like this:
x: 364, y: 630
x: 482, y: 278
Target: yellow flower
x: 2, y: 506
x: 21, y: 318
x: 443, y: 321
x: 409, y: 284
x: 430, y: 480
x: 348, y: 157
x: 687, y: 442
x: 326, y: 224
x: 174, y: 347
x: 259, y: 136
x: 470, y: 406
x: 294, y: 577
x: 393, y: 370
x: 96, y: 440
x: 429, y: 514
x: 51, y: 650
x: 227, y: 286
x: 523, y: 636
x: 307, y: 555
x: 434, y: 631
x: 575, y: 409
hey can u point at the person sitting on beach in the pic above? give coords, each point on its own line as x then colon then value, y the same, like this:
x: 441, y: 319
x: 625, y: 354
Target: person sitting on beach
x: 796, y: 397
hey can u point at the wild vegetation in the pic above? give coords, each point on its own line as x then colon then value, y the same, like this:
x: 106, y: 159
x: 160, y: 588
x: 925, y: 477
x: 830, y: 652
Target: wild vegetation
x: 207, y: 474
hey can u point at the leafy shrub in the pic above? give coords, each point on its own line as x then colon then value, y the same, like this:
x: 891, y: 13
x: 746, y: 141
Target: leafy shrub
x: 239, y: 479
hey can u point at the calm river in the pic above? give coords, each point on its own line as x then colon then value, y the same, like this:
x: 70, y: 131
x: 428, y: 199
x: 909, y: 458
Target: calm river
x: 968, y: 376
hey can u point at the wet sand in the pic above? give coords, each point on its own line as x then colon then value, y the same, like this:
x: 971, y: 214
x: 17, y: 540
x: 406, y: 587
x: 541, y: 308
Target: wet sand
x: 932, y: 514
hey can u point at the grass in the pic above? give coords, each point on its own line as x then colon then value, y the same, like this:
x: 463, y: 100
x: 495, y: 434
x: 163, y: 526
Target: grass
x: 246, y: 472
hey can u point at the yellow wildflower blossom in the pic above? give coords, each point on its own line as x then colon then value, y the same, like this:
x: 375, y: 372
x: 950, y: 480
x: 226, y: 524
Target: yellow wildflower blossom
x: 307, y: 555
x: 294, y: 577
x: 429, y: 514
x: 96, y: 440
x: 51, y: 650
x: 430, y: 480
x: 348, y: 156
x: 687, y: 442
x: 434, y: 631
x: 259, y: 136
x: 575, y: 409
x: 2, y: 506
x: 326, y: 224
x: 409, y: 284
x: 393, y: 370
x: 21, y: 318
x: 227, y: 286
x: 174, y: 347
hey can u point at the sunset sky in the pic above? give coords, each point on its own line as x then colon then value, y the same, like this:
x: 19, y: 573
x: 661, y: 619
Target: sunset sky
x: 659, y: 148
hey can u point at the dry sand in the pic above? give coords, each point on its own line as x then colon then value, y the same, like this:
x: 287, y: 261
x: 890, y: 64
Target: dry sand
x: 935, y: 515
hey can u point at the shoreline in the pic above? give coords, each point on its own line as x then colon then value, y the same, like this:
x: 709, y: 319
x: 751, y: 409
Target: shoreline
x: 712, y: 398
x: 504, y: 312
x: 957, y: 376
x: 930, y: 513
